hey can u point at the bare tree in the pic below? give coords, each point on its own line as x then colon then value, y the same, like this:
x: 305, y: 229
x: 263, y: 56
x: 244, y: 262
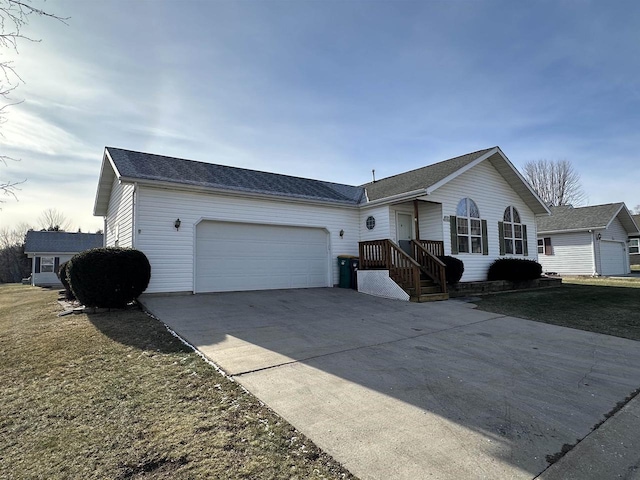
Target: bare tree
x: 14, y: 16
x: 557, y: 183
x: 54, y: 220
x: 636, y: 210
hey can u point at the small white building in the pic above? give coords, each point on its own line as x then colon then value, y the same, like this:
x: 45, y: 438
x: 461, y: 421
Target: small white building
x: 586, y: 240
x: 48, y: 250
x: 212, y: 228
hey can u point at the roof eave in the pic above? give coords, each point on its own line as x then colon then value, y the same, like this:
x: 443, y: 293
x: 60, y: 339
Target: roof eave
x: 398, y: 197
x: 234, y: 193
x: 572, y: 230
x: 105, y: 182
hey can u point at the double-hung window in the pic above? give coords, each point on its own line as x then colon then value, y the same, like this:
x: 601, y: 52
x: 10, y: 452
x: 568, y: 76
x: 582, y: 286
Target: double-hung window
x: 634, y: 245
x: 46, y: 264
x: 469, y: 227
x: 544, y: 246
x: 513, y: 232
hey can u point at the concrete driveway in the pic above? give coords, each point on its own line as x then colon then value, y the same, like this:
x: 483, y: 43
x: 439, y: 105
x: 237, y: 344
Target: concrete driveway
x: 400, y: 390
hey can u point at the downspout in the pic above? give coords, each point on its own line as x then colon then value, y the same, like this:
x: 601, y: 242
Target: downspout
x: 104, y: 231
x: 593, y: 247
x: 134, y: 208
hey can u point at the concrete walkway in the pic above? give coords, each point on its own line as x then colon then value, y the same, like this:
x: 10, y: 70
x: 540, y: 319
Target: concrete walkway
x: 399, y: 390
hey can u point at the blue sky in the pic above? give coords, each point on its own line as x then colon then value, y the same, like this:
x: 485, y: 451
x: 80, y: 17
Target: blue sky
x: 326, y: 90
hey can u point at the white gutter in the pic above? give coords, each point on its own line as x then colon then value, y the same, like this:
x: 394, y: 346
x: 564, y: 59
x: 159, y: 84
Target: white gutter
x: 395, y: 198
x: 134, y: 228
x: 587, y: 229
x: 593, y: 246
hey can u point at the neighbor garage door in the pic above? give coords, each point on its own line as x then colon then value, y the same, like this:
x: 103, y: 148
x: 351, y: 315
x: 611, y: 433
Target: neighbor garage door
x: 241, y: 256
x: 613, y: 258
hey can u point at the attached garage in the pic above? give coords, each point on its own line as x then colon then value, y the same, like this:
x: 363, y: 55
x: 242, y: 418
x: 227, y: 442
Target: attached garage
x: 613, y: 258
x: 244, y: 256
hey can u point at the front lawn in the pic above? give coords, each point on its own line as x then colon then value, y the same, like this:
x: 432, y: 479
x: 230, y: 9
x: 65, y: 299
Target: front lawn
x: 116, y: 396
x: 599, y: 305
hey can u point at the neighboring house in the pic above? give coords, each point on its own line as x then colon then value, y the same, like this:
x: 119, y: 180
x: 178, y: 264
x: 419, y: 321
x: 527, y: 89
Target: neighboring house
x: 586, y: 240
x: 634, y: 244
x: 47, y: 250
x: 213, y: 228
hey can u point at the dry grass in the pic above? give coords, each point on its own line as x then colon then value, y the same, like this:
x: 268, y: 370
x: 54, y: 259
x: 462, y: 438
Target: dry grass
x: 601, y: 305
x: 116, y: 396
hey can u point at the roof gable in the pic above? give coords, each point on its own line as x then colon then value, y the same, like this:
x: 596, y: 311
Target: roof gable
x: 61, y: 242
x: 145, y: 167
x: 594, y: 217
x: 420, y: 178
x: 426, y: 180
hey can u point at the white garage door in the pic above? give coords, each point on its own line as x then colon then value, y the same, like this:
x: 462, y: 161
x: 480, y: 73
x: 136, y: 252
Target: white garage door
x: 241, y: 256
x: 613, y: 258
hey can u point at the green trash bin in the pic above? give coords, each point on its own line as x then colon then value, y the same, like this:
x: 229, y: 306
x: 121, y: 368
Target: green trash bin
x: 344, y: 264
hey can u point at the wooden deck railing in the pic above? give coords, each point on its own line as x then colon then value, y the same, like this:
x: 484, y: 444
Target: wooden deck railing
x: 434, y: 247
x: 386, y: 255
x: 433, y: 267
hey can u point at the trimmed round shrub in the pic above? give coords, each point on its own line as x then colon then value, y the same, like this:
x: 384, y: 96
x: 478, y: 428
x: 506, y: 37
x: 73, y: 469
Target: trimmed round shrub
x: 108, y: 277
x: 514, y: 269
x: 64, y: 279
x: 454, y: 268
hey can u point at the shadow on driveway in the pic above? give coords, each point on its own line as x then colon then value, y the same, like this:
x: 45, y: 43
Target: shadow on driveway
x: 401, y: 390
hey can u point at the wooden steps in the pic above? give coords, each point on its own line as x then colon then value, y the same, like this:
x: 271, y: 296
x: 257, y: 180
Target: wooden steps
x: 430, y: 292
x: 430, y: 297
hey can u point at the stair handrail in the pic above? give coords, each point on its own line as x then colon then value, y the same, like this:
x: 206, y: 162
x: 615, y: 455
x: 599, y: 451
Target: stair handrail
x: 431, y: 265
x: 386, y: 254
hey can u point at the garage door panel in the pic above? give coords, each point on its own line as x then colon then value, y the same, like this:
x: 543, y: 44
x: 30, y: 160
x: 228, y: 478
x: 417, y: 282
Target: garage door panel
x: 235, y: 256
x: 612, y: 258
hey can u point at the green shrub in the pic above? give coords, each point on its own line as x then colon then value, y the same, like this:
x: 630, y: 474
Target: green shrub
x: 64, y: 279
x: 454, y: 268
x: 108, y: 277
x: 514, y: 269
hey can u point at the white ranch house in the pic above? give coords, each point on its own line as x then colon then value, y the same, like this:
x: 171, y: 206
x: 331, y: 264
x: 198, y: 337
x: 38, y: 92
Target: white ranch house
x: 49, y: 249
x: 586, y: 240
x: 214, y: 228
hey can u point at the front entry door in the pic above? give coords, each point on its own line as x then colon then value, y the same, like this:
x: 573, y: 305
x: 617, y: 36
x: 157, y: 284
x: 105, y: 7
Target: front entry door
x: 404, y: 231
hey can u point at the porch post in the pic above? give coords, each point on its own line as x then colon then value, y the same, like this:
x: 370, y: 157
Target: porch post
x: 416, y: 219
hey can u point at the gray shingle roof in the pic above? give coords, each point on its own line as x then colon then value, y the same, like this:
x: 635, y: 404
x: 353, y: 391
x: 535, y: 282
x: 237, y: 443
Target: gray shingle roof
x: 580, y: 218
x: 636, y: 218
x: 146, y: 166
x: 61, y: 242
x: 420, y: 178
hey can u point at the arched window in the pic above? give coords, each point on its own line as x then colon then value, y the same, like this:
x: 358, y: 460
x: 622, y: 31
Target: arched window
x: 469, y: 230
x: 513, y: 233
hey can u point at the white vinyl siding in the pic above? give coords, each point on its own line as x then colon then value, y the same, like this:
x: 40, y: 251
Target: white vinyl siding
x: 171, y: 253
x: 119, y: 224
x: 430, y: 218
x: 492, y: 194
x: 246, y: 256
x: 383, y: 223
x: 572, y: 254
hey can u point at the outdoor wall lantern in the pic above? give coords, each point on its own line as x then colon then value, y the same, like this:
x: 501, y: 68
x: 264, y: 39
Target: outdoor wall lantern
x: 177, y: 224
x: 341, y: 233
x: 599, y: 236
